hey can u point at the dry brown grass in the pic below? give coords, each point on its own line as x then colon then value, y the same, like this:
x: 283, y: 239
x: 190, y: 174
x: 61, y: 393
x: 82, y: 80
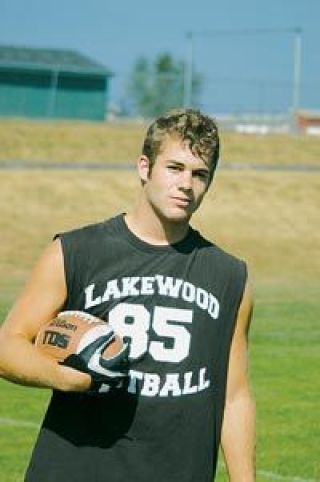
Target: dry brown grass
x: 269, y: 218
x: 272, y: 220
x: 271, y: 149
x: 69, y: 141
x: 103, y: 142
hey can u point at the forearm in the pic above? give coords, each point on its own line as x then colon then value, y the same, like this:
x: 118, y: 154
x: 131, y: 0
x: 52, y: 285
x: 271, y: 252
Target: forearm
x: 21, y: 362
x: 238, y: 438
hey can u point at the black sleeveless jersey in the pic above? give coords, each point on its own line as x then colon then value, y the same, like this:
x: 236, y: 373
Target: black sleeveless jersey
x: 177, y: 307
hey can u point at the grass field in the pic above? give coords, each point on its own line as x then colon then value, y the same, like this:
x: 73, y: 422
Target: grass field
x: 98, y: 142
x: 269, y: 218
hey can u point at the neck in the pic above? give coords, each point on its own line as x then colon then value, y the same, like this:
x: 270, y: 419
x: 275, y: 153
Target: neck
x: 148, y: 226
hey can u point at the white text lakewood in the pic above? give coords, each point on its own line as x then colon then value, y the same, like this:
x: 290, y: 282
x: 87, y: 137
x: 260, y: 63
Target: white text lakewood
x: 151, y: 285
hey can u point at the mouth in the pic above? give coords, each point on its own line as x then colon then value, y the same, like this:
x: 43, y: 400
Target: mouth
x: 181, y: 201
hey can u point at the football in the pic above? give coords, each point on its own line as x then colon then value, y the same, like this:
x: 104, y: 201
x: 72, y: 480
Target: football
x: 65, y: 334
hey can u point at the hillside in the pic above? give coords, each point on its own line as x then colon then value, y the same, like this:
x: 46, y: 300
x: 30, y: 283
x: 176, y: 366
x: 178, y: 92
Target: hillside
x: 62, y: 142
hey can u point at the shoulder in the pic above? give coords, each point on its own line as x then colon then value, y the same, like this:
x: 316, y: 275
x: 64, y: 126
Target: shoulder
x: 246, y: 307
x: 223, y: 259
x: 225, y: 273
x: 89, y: 232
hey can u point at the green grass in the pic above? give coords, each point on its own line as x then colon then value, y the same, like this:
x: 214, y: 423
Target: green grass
x: 285, y: 376
x: 285, y: 340
x: 285, y: 369
x: 18, y: 404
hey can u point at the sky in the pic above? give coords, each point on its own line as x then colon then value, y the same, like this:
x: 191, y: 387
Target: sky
x: 244, y: 50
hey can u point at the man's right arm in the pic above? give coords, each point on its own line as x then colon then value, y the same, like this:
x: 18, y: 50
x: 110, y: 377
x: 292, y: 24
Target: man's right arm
x: 42, y: 298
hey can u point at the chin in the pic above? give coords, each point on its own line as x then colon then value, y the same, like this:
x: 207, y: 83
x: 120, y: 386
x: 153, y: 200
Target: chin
x: 172, y: 214
x: 177, y: 216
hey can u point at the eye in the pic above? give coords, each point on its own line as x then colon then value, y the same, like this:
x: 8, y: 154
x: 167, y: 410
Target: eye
x: 203, y: 175
x: 174, y: 167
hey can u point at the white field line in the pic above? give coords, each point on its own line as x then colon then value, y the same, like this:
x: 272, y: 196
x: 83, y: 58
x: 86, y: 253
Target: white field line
x: 265, y: 473
x: 283, y: 478
x: 18, y: 423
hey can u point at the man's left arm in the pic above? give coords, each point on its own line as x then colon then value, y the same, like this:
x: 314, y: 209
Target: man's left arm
x: 238, y: 429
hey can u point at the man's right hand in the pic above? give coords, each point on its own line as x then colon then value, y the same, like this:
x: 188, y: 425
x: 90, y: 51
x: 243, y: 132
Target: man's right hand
x: 105, y: 373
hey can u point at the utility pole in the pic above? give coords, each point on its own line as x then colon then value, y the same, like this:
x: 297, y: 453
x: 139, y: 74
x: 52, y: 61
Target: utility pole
x: 188, y: 72
x: 296, y: 93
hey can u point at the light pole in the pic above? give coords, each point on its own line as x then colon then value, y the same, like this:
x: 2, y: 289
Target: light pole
x: 296, y: 93
x: 188, y: 67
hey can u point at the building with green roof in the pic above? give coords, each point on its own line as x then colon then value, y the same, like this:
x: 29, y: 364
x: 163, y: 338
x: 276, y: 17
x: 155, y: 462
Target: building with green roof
x: 52, y: 84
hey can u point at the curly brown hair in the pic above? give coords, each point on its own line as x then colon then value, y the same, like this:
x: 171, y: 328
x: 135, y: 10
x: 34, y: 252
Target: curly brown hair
x: 186, y: 124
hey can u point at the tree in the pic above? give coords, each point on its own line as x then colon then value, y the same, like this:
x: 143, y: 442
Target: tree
x: 159, y: 86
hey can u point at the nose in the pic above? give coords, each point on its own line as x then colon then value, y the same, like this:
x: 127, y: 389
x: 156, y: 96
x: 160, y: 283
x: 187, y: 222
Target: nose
x: 185, y: 181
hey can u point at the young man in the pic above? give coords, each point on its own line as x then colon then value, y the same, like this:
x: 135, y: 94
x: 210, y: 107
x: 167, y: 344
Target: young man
x: 184, y: 306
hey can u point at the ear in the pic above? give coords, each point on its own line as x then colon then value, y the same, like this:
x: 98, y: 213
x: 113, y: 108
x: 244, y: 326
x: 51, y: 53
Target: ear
x: 143, y: 166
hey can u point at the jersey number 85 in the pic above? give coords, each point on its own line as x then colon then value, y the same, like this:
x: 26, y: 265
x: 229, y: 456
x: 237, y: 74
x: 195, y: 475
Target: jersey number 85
x: 134, y: 321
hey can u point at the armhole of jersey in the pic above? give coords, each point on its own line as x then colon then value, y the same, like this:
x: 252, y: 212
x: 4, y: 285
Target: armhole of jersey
x: 241, y: 276
x: 244, y: 279
x: 66, y: 266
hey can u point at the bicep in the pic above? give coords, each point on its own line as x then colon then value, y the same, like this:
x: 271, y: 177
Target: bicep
x: 42, y: 297
x: 238, y: 359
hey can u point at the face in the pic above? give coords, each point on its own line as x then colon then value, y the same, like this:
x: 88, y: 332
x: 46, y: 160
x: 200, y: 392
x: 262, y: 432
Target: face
x: 177, y: 182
